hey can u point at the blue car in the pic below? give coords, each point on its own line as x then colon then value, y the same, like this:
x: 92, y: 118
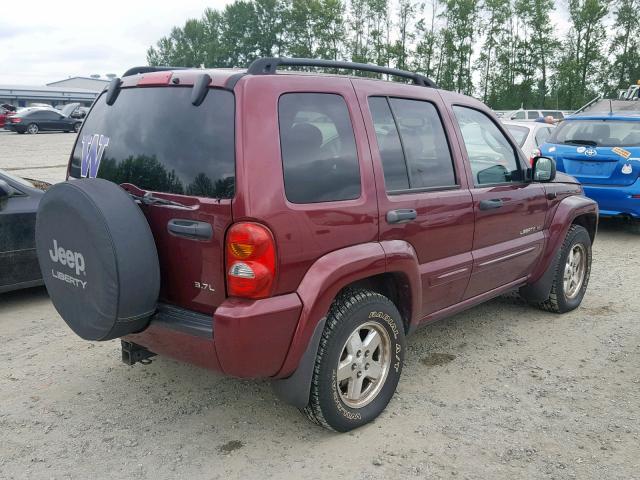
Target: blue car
x: 602, y: 151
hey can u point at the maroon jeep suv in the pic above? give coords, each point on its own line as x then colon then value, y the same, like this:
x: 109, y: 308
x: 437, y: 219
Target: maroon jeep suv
x: 298, y: 226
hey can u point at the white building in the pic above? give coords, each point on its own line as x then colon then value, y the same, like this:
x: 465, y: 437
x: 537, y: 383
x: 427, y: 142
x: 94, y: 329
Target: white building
x: 84, y: 83
x: 73, y: 89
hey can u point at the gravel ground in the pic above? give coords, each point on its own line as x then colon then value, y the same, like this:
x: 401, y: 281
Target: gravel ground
x: 501, y: 391
x: 43, y: 156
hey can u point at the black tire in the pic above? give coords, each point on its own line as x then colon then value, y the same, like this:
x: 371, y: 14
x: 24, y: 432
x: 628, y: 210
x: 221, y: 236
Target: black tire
x: 352, y: 310
x: 32, y: 128
x: 76, y: 127
x: 634, y: 227
x: 558, y: 300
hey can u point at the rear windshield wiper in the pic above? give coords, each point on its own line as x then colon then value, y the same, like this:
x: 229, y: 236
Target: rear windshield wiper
x: 591, y: 143
x: 150, y: 199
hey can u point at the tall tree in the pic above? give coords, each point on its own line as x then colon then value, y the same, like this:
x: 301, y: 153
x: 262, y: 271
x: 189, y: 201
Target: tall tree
x: 496, y: 31
x: 625, y: 47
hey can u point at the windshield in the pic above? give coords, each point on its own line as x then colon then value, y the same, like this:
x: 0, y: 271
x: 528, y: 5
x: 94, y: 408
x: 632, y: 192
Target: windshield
x: 598, y: 133
x: 18, y: 180
x: 519, y: 133
x: 157, y: 140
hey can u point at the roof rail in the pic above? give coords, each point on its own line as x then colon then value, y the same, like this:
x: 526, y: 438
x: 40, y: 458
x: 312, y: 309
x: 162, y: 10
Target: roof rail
x: 147, y: 69
x: 269, y: 65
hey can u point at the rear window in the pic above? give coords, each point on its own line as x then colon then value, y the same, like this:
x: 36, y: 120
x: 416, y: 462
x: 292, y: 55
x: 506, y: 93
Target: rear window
x: 598, y: 133
x: 157, y: 140
x: 542, y: 135
x: 319, y: 155
x: 519, y: 133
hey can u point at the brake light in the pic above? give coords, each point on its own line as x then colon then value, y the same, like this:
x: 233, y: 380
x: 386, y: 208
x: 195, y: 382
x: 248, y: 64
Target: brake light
x: 251, y: 260
x: 535, y: 153
x: 15, y: 120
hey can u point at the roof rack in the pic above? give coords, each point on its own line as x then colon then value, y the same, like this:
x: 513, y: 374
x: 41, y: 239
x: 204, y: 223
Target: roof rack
x: 269, y: 65
x: 136, y: 70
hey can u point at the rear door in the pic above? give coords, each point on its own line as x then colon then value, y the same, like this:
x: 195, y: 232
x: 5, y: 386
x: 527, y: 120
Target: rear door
x: 153, y: 140
x: 599, y: 152
x: 47, y: 120
x: 423, y: 196
x: 509, y: 211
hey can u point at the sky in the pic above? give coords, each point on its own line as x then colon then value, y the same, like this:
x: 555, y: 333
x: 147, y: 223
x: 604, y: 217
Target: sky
x: 43, y: 41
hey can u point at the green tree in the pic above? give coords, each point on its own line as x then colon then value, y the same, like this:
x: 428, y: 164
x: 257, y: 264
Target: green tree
x: 625, y: 47
x: 582, y: 54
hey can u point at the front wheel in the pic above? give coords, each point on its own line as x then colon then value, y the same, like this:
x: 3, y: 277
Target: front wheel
x: 572, y: 273
x: 76, y: 127
x: 359, y: 361
x: 32, y: 128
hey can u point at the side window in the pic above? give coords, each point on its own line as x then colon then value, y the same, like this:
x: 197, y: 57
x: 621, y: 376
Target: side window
x: 533, y: 115
x: 493, y: 159
x: 555, y: 114
x: 45, y: 115
x: 518, y: 116
x: 542, y: 135
x: 413, y: 145
x: 394, y: 166
x: 318, y: 148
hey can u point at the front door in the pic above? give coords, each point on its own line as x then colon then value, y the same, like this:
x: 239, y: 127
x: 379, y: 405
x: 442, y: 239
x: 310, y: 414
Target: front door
x: 423, y: 195
x: 509, y: 210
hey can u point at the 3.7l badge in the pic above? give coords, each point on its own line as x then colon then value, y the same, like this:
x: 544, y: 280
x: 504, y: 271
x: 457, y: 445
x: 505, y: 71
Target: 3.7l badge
x: 204, y: 286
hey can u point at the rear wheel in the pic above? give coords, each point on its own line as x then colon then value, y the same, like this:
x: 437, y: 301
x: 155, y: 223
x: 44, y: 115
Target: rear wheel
x: 359, y: 361
x: 76, y: 127
x: 32, y: 128
x: 572, y: 273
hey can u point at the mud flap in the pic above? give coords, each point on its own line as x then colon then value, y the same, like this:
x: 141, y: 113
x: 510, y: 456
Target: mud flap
x: 295, y: 390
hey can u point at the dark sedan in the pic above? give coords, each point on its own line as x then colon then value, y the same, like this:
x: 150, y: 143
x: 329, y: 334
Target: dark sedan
x: 19, y: 201
x: 41, y: 120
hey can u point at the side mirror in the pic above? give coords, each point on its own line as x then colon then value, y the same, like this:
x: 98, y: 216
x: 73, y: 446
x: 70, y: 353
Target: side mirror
x: 544, y: 169
x: 6, y: 191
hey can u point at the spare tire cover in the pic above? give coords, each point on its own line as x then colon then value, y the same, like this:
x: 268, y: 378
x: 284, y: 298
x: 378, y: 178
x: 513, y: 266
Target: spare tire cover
x: 98, y: 258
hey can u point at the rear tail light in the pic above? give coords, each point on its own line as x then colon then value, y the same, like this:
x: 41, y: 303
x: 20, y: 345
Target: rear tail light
x: 15, y: 120
x: 535, y: 153
x: 251, y: 260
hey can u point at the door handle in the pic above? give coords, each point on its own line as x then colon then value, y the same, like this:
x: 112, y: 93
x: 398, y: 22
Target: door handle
x: 402, y: 215
x: 190, y: 228
x: 491, y: 204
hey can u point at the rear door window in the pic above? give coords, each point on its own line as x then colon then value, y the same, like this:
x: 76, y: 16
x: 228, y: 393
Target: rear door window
x: 319, y: 156
x: 413, y: 145
x: 533, y: 115
x: 154, y: 138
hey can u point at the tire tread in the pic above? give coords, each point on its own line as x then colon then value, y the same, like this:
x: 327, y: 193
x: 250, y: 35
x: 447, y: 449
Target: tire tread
x: 338, y: 310
x: 551, y: 304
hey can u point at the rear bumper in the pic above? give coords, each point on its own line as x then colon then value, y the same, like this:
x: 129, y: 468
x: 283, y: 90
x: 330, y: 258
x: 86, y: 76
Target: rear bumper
x: 614, y: 201
x: 244, y: 338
